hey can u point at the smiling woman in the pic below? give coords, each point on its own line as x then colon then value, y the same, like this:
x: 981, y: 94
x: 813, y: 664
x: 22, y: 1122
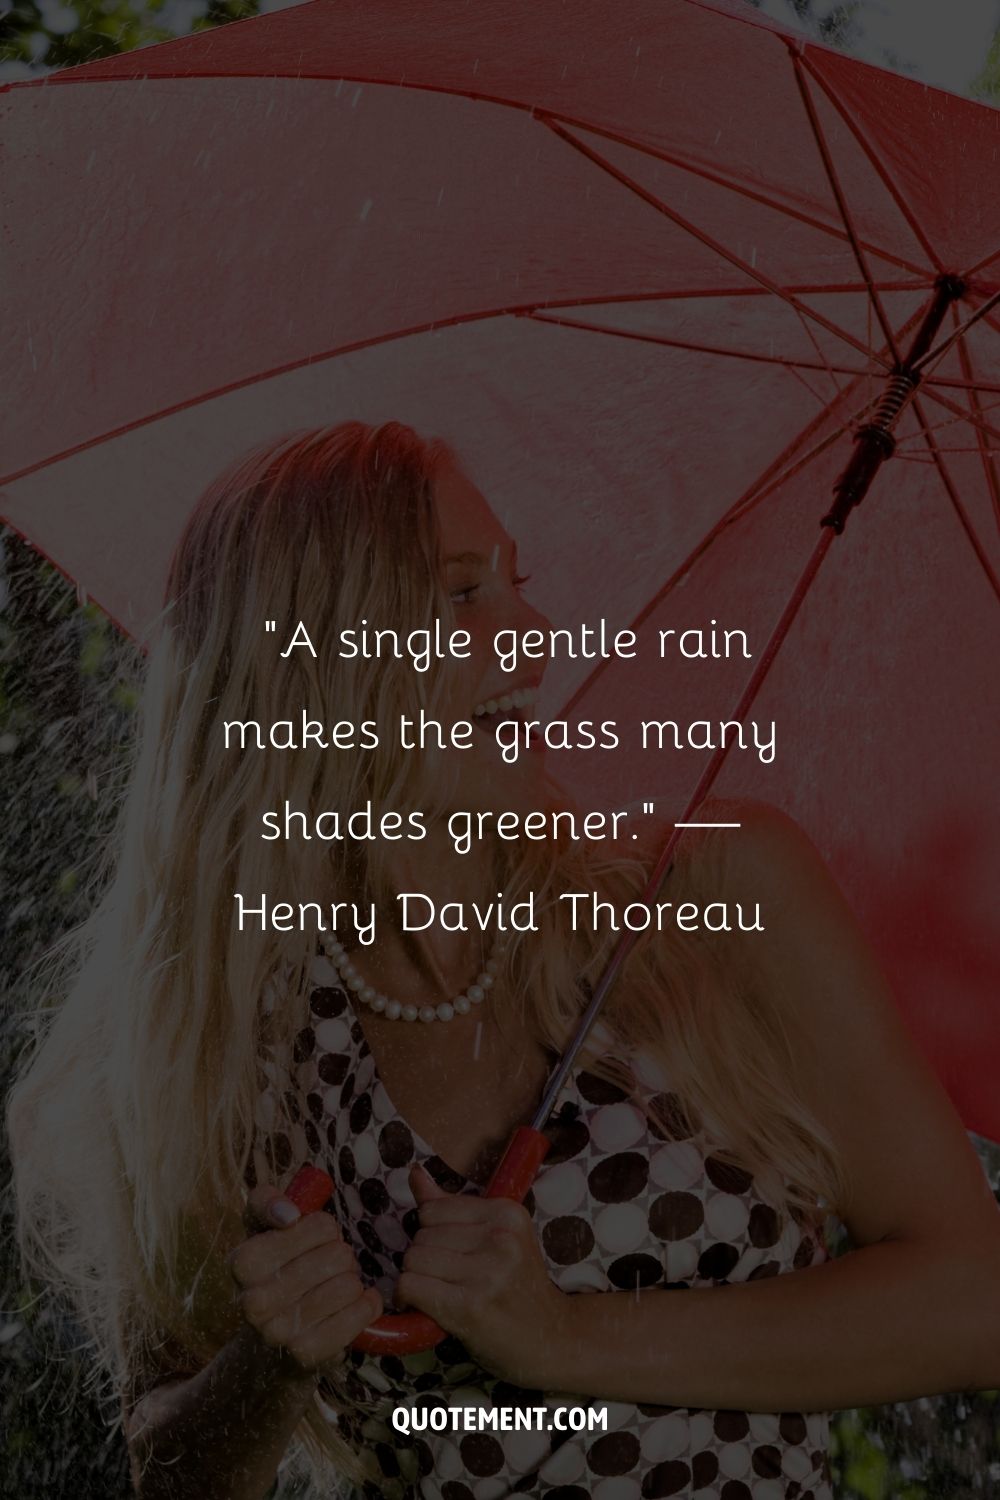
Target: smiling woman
x: 741, y: 1085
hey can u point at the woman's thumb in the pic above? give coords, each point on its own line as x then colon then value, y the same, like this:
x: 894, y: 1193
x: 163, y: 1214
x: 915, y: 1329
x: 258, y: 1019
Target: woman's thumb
x: 268, y: 1208
x: 423, y: 1186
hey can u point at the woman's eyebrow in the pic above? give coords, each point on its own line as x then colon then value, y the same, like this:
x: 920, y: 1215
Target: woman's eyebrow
x: 465, y: 557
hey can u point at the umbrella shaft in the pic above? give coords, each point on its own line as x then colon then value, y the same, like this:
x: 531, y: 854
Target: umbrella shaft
x: 874, y: 442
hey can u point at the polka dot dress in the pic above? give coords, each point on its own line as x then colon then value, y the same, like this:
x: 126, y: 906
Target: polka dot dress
x: 619, y: 1204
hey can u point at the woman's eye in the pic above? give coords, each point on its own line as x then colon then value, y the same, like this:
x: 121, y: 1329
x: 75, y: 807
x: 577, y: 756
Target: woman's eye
x: 464, y: 596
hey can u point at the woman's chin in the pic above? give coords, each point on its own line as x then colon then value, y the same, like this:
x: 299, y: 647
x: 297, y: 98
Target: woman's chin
x: 506, y: 788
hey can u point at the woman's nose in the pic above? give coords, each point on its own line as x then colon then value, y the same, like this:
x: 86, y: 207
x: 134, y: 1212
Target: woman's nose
x: 530, y: 618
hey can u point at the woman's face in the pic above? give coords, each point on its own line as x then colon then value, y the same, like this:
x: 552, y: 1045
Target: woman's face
x: 480, y: 571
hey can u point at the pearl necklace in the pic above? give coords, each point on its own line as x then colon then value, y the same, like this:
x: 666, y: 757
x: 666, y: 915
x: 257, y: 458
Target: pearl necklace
x: 393, y: 1010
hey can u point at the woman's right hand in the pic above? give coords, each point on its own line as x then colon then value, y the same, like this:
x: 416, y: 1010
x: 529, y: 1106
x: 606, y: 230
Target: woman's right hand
x: 300, y: 1285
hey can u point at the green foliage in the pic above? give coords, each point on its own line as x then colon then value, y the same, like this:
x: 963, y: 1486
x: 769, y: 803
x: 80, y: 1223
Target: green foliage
x: 836, y: 26
x: 987, y: 85
x: 64, y: 33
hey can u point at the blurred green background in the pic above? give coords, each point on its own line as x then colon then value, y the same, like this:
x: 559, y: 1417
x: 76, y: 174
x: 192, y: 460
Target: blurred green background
x: 68, y: 689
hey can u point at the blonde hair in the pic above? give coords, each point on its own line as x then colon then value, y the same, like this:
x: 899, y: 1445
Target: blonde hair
x: 133, y: 1120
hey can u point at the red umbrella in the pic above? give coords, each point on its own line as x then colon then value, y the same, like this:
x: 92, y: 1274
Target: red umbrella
x: 663, y: 274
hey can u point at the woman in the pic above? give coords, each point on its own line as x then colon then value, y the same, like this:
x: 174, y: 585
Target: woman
x: 741, y: 1086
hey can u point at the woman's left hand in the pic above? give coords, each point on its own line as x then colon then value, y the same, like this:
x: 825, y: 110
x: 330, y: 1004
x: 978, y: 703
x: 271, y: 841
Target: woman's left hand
x: 475, y: 1267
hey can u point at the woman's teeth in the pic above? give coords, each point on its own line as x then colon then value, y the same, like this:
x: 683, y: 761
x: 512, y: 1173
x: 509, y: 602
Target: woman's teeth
x: 519, y: 698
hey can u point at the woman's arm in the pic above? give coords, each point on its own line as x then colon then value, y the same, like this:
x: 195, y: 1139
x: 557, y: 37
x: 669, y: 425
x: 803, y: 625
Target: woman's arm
x: 219, y: 1434
x: 890, y: 1322
x: 913, y: 1311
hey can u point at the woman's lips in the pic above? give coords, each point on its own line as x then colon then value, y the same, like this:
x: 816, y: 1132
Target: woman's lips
x: 509, y: 705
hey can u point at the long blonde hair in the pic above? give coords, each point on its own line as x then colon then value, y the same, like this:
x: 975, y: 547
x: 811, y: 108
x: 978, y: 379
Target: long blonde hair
x: 133, y: 1122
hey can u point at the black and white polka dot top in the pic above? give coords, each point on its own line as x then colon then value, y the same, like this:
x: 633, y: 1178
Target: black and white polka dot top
x: 618, y: 1203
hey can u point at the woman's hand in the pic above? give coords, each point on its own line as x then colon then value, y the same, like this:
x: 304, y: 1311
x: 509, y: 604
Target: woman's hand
x: 301, y: 1290
x: 476, y: 1268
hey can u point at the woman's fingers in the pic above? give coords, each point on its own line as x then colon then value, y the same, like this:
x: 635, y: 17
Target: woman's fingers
x: 313, y: 1342
x: 444, y: 1302
x: 282, y: 1324
x: 464, y: 1237
x: 262, y: 1254
x: 301, y: 1285
x: 456, y: 1208
x: 297, y: 1279
x: 327, y: 1340
x: 434, y: 1260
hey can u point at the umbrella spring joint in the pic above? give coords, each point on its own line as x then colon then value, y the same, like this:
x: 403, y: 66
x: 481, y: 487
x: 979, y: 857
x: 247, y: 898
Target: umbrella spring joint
x: 900, y: 388
x: 873, y: 444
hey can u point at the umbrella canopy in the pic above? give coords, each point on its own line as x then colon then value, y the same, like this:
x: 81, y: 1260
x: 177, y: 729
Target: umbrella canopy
x: 647, y: 268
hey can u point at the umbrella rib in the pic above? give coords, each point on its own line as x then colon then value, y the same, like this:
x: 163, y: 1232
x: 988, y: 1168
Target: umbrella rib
x: 987, y: 455
x: 952, y: 382
x: 822, y: 288
x: 773, y: 477
x: 951, y: 490
x: 694, y: 348
x: 796, y: 371
x: 353, y: 347
x: 880, y: 168
x: 938, y: 351
x: 963, y: 413
x: 274, y: 372
x: 706, y: 780
x: 822, y: 145
x: 706, y: 239
x: 732, y: 186
x: 981, y: 265
x: 778, y: 472
x: 366, y: 80
x: 258, y: 378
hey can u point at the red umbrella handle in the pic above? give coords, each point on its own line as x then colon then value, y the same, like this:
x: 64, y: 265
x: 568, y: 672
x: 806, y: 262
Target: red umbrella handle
x: 414, y: 1332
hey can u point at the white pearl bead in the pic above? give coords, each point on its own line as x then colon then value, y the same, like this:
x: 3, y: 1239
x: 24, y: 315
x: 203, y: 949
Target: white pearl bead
x: 394, y: 1010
